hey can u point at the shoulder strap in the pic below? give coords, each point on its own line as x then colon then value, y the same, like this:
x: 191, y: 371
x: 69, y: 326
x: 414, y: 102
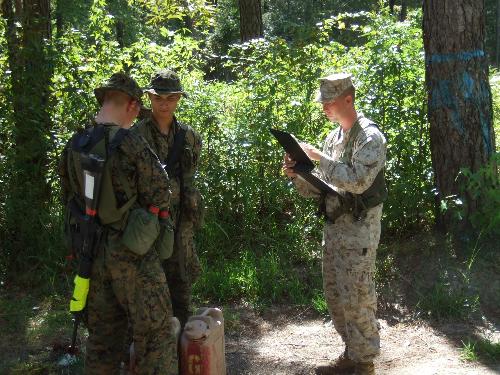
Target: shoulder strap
x: 116, y: 141
x: 173, y: 155
x: 86, y: 140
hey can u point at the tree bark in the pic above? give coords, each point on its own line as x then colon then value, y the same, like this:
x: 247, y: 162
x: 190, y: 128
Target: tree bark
x: 120, y: 33
x: 459, y: 95
x: 29, y: 191
x: 404, y: 10
x: 391, y: 5
x: 250, y: 20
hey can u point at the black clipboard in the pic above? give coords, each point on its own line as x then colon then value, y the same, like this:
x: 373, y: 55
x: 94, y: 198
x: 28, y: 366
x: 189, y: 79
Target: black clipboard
x: 305, y: 165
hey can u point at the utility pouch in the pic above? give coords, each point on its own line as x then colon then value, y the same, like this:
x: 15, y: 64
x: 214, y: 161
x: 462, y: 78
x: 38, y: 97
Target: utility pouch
x: 165, y: 241
x: 141, y: 231
x: 193, y: 207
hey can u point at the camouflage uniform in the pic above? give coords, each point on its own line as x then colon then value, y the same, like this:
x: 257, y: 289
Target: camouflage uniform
x: 126, y: 289
x: 349, y: 245
x: 183, y: 267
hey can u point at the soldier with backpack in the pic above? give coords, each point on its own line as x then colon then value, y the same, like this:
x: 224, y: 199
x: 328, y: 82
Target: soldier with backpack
x: 178, y: 147
x: 115, y: 190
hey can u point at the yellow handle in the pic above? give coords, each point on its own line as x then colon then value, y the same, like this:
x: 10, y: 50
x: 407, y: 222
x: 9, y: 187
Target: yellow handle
x: 80, y: 293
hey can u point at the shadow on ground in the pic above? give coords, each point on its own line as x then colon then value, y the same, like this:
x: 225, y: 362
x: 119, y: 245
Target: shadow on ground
x: 453, y: 286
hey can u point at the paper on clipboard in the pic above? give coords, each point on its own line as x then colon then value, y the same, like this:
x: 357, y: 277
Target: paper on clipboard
x: 305, y: 165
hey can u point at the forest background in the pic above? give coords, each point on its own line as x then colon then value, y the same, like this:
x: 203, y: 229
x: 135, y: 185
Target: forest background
x: 260, y: 243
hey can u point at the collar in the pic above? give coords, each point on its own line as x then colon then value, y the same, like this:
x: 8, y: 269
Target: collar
x: 173, y: 128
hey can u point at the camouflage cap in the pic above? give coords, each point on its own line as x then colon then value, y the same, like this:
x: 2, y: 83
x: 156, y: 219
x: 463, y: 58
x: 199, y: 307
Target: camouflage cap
x: 333, y: 86
x: 165, y: 82
x: 119, y: 82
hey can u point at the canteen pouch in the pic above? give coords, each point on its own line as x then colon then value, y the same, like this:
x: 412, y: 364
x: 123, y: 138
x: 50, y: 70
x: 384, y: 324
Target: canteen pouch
x: 165, y: 241
x: 141, y: 231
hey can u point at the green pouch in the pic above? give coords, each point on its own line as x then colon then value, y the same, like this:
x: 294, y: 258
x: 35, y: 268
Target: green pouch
x: 194, y: 208
x: 165, y: 241
x: 141, y: 231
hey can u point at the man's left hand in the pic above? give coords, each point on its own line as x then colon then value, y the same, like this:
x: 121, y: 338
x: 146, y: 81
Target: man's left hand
x: 311, y: 151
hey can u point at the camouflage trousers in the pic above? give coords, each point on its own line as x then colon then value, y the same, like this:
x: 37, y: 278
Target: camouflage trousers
x: 182, y: 269
x: 129, y: 291
x: 350, y: 295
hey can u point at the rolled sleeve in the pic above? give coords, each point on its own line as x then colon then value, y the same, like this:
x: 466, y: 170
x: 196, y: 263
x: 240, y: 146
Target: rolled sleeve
x: 305, y: 189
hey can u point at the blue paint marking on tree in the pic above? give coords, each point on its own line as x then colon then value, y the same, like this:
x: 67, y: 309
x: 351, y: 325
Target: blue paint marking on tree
x: 442, y: 98
x: 457, y: 56
x: 485, y: 130
x: 467, y: 86
x: 477, y: 94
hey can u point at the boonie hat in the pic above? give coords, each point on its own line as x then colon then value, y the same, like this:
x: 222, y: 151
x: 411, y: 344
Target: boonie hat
x: 165, y: 82
x: 333, y: 86
x: 120, y: 82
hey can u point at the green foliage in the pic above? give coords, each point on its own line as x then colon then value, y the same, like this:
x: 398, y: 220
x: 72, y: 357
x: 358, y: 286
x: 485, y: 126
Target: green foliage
x: 35, y: 331
x: 484, y: 187
x: 490, y: 7
x: 389, y: 69
x: 319, y: 304
x: 256, y: 224
x: 447, y: 300
x: 255, y: 219
x: 256, y: 280
x: 474, y: 350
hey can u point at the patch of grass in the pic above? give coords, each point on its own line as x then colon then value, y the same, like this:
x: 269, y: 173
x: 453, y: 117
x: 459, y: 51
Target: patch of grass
x: 468, y: 352
x: 473, y: 351
x: 259, y: 280
x: 443, y: 301
x: 319, y: 304
x: 35, y: 330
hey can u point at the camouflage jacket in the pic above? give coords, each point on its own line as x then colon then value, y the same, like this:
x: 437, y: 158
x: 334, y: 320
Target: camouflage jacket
x: 187, y: 163
x: 134, y: 159
x: 368, y: 159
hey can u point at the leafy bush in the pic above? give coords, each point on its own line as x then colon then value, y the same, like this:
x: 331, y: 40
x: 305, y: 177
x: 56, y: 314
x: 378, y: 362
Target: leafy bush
x: 484, y: 187
x: 444, y: 301
x: 473, y: 350
x: 255, y: 220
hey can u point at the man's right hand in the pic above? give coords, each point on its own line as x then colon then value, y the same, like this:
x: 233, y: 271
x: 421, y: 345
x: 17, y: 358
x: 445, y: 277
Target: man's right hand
x: 288, y: 164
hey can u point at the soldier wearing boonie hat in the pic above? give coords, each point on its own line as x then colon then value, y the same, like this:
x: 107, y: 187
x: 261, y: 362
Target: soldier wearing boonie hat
x: 122, y: 279
x: 165, y: 82
x: 166, y: 134
x: 119, y: 82
x: 352, y: 161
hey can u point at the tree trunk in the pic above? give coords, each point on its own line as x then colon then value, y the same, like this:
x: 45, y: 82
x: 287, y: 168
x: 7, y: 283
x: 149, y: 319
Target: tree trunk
x: 250, y: 20
x: 459, y: 96
x: 391, y: 5
x: 404, y: 10
x: 120, y: 33
x: 29, y: 191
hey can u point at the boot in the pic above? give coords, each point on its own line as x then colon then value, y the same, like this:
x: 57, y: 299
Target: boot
x: 364, y: 368
x: 342, y: 365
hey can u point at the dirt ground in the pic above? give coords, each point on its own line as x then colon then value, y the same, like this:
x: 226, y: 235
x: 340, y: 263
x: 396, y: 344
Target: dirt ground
x: 295, y: 342
x: 284, y: 340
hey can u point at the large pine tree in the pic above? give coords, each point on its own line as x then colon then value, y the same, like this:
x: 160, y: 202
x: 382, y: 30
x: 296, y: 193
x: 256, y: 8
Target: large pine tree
x: 250, y: 19
x: 28, y: 33
x: 459, y: 96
